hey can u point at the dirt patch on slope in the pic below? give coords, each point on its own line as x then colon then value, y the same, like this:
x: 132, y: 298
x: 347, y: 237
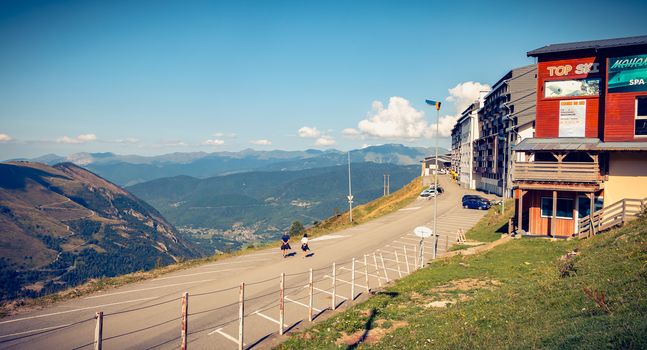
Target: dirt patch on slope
x: 371, y: 336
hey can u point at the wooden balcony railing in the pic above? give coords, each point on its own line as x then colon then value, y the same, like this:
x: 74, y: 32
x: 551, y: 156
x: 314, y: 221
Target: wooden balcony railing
x: 556, y: 172
x: 611, y: 216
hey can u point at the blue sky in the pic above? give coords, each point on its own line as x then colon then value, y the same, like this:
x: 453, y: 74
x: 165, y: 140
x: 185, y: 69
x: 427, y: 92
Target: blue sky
x: 153, y: 77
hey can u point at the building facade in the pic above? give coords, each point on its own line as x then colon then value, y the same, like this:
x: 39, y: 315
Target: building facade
x: 467, y: 128
x: 590, y: 144
x: 507, y: 116
x: 455, y: 152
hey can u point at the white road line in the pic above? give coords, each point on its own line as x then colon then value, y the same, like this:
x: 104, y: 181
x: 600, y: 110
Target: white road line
x: 151, y: 288
x: 232, y: 263
x: 412, y: 208
x: 268, y: 318
x: 347, y: 282
x: 327, y: 237
x: 75, y: 310
x: 370, y: 275
x: 194, y: 274
x: 219, y: 331
x: 329, y: 293
x: 380, y: 267
x: 302, y: 304
x: 35, y: 330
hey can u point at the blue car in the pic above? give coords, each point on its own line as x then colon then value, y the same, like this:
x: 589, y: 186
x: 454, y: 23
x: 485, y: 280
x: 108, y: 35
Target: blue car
x: 476, y: 203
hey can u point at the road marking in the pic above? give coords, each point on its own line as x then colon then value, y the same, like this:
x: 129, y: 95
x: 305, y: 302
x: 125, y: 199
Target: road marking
x: 327, y: 237
x: 194, y: 274
x: 379, y: 267
x: 412, y: 208
x: 343, y: 281
x: 268, y: 318
x: 233, y: 262
x: 75, y: 310
x: 302, y: 304
x: 362, y: 273
x: 150, y: 288
x: 35, y: 330
x: 219, y: 331
x: 329, y: 293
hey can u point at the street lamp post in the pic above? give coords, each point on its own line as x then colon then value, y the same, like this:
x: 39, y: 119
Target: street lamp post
x: 350, y: 194
x: 437, y: 105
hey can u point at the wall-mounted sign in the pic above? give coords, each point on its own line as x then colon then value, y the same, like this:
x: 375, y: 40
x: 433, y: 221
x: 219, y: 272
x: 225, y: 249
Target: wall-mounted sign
x: 628, y: 73
x: 572, y: 118
x: 566, y: 69
x: 566, y: 88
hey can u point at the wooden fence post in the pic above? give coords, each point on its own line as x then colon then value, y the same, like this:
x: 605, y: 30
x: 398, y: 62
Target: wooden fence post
x: 185, y: 320
x: 366, y: 273
x: 397, y: 261
x: 311, y: 288
x: 334, y: 286
x: 98, y: 331
x: 241, y: 316
x: 377, y: 271
x: 386, y: 275
x: 406, y: 258
x: 352, y: 281
x: 282, y: 303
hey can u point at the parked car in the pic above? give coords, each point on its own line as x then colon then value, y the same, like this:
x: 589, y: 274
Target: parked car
x: 469, y: 196
x: 476, y: 202
x: 427, y: 193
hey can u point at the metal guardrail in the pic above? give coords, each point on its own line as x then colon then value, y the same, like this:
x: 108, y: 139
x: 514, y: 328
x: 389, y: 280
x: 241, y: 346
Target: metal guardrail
x: 611, y: 216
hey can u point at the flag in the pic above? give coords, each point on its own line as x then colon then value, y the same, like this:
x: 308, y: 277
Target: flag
x: 434, y: 103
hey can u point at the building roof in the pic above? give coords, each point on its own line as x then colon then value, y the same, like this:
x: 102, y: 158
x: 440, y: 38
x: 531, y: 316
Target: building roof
x: 576, y: 144
x: 594, y: 45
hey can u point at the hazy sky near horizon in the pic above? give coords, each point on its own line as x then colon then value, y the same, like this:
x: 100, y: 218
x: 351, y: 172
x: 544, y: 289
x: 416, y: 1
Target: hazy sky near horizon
x: 153, y: 77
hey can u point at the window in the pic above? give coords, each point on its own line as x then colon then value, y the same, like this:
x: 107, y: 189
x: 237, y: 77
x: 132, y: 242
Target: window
x: 564, y: 207
x: 641, y: 117
x: 584, y: 205
x: 572, y: 88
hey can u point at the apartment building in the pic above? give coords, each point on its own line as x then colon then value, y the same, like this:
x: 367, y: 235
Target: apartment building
x: 506, y: 117
x: 590, y: 143
x: 468, y: 131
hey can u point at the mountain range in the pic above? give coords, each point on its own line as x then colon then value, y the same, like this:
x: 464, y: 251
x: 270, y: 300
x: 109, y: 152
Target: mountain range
x: 223, y: 212
x: 127, y: 170
x: 61, y: 225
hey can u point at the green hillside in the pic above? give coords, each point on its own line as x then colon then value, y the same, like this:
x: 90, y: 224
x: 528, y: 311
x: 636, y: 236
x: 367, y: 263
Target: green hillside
x: 262, y: 204
x: 62, y: 225
x: 525, y: 294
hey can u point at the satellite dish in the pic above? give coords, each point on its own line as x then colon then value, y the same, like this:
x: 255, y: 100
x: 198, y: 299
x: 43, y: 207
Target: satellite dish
x: 422, y: 231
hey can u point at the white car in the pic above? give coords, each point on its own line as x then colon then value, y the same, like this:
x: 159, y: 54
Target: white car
x: 428, y: 193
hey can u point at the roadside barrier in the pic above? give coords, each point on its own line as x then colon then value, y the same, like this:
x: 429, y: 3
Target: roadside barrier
x: 313, y: 282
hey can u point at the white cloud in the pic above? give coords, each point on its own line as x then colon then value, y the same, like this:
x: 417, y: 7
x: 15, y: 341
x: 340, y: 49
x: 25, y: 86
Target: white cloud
x: 350, y: 132
x: 173, y: 143
x: 325, y: 141
x: 398, y: 120
x: 5, y: 138
x: 262, y: 142
x: 222, y: 134
x: 308, y: 132
x: 83, y: 138
x: 127, y: 140
x: 214, y: 142
x: 462, y: 95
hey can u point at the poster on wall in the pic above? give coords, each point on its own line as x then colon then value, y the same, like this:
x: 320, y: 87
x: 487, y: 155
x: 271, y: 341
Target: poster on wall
x: 568, y: 88
x: 572, y: 118
x: 628, y: 73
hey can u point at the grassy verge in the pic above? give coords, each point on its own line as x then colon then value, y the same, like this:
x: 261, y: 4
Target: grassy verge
x: 361, y: 214
x: 522, y: 294
x: 490, y: 228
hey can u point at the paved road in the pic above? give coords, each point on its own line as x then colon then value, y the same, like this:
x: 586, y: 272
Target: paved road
x: 146, y: 315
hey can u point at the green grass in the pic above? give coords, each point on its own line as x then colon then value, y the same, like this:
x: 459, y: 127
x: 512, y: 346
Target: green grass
x: 493, y: 224
x: 527, y: 298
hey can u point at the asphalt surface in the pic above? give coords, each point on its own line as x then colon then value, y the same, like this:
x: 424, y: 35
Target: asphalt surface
x: 147, y: 315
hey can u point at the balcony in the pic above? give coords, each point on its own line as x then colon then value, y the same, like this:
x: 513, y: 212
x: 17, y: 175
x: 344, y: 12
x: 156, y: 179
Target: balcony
x: 572, y: 172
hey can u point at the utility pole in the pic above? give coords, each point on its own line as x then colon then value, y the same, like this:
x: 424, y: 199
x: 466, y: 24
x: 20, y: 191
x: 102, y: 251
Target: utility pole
x: 350, y: 193
x: 387, y: 184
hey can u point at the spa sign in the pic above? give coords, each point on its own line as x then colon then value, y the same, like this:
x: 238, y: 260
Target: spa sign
x: 628, y: 73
